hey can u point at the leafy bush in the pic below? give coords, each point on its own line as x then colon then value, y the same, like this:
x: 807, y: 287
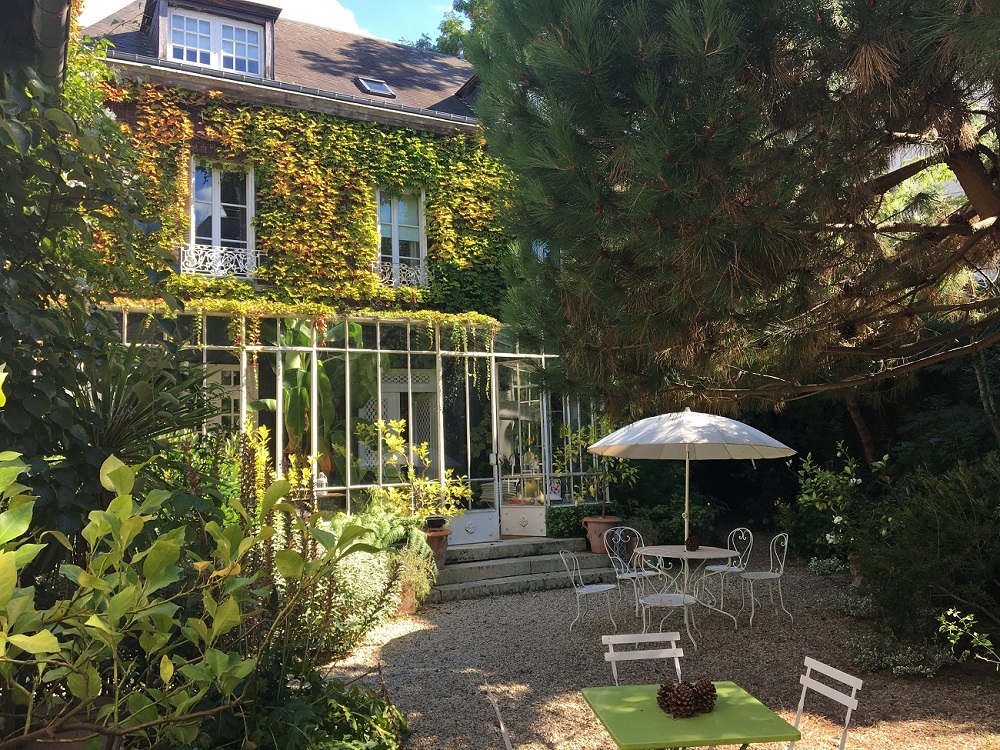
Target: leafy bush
x: 957, y: 627
x: 664, y: 523
x: 879, y: 651
x: 941, y: 548
x: 825, y: 566
x: 566, y: 521
x: 854, y: 604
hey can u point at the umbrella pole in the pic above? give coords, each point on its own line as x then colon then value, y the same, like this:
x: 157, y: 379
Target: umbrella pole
x: 687, y: 490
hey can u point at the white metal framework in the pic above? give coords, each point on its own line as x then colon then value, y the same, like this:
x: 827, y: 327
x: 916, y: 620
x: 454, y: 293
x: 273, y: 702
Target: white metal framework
x: 741, y: 541
x: 772, y: 576
x: 809, y: 682
x: 583, y: 590
x: 621, y: 543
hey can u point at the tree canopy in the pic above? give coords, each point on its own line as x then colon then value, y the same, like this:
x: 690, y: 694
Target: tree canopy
x: 731, y: 200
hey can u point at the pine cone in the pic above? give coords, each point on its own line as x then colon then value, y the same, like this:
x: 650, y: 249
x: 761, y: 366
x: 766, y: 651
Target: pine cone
x: 705, y: 694
x: 682, y: 700
x: 663, y: 697
x: 692, y: 543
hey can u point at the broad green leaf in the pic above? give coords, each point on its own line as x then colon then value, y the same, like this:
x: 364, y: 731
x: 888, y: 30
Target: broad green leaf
x: 289, y: 563
x: 116, y: 476
x: 20, y: 136
x: 162, y: 554
x: 166, y: 669
x: 8, y: 455
x: 121, y: 603
x: 326, y: 538
x: 86, y: 685
x: 15, y: 522
x: 39, y: 643
x: 154, y: 500
x: 8, y: 577
x: 59, y: 537
x: 227, y: 617
x: 25, y: 553
x: 62, y: 120
x: 88, y: 581
x: 273, y: 494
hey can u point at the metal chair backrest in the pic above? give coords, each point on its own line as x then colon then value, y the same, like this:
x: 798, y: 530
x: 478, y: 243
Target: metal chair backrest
x: 740, y: 540
x: 779, y: 550
x: 572, y: 564
x: 808, y: 682
x: 673, y: 652
x: 621, y: 543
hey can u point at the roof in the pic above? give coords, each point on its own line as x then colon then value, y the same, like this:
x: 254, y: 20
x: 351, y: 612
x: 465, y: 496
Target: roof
x: 324, y: 61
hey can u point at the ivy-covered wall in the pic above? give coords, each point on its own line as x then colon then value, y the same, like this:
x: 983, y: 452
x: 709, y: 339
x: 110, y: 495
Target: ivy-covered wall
x: 315, y: 178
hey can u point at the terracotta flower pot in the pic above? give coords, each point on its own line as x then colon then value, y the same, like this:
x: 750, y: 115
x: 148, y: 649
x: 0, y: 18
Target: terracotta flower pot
x: 596, y: 526
x: 437, y: 540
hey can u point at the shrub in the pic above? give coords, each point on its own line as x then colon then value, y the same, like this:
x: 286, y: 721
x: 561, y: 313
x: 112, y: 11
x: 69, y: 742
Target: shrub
x: 825, y: 566
x: 855, y: 604
x: 566, y: 521
x: 664, y: 523
x: 876, y: 652
x: 941, y: 548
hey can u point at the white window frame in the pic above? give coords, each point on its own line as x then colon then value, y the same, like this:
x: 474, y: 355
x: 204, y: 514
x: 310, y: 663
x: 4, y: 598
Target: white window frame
x: 215, y: 259
x: 215, y: 47
x: 393, y: 277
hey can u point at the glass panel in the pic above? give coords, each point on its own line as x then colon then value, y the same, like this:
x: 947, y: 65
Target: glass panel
x: 177, y: 37
x: 364, y: 336
x: 393, y: 336
x: 204, y: 58
x: 227, y: 31
x: 241, y: 50
x: 333, y: 420
x: 409, y: 253
x: 364, y: 410
x: 191, y: 56
x: 453, y: 393
x: 241, y: 65
x: 253, y: 37
x: 203, y: 224
x: 335, y: 334
x: 254, y: 68
x: 233, y: 187
x: 178, y: 53
x: 408, y: 211
x: 385, y: 210
x: 268, y: 331
x: 204, y: 28
x: 191, y: 24
x: 227, y: 47
x: 422, y: 337
x: 227, y: 63
x: 233, y: 227
x: 176, y: 21
x: 217, y: 331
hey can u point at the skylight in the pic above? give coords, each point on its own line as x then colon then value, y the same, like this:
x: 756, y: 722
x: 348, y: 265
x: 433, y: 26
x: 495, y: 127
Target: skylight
x: 374, y: 86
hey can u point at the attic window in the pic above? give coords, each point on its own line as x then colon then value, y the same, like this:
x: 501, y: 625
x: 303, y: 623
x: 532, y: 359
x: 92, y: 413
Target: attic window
x: 374, y: 86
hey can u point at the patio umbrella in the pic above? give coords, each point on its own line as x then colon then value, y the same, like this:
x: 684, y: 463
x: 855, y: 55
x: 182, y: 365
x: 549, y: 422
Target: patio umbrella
x: 691, y: 436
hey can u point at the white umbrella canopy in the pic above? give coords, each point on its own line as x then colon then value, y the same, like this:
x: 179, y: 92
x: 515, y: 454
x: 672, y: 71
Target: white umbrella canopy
x: 689, y: 436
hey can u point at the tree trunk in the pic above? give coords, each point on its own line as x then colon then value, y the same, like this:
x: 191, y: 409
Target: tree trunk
x: 867, y: 444
x: 986, y: 393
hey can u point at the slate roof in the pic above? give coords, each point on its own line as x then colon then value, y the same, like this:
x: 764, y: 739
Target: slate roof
x: 329, y: 60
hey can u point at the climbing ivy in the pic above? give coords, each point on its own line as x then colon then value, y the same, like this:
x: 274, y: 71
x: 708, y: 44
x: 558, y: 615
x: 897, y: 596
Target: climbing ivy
x: 315, y: 178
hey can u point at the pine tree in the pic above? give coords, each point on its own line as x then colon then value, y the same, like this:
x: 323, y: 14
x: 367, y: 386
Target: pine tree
x: 748, y: 198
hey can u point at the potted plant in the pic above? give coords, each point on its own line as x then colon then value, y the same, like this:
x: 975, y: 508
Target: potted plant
x: 595, y: 475
x: 429, y: 501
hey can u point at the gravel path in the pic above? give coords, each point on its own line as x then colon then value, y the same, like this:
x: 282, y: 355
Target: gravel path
x: 440, y: 665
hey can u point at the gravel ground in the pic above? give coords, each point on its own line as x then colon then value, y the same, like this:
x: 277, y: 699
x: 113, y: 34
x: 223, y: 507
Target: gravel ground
x: 441, y: 664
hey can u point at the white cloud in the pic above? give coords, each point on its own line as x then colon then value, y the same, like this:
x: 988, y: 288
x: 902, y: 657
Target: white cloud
x: 329, y: 13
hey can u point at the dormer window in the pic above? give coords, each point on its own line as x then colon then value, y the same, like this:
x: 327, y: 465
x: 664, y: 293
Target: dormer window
x: 375, y: 87
x: 218, y: 43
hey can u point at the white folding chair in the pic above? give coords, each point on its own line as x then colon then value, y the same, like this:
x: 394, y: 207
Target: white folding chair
x: 673, y: 652
x: 621, y: 543
x: 500, y: 722
x: 582, y: 589
x: 740, y: 541
x: 778, y: 550
x: 810, y: 683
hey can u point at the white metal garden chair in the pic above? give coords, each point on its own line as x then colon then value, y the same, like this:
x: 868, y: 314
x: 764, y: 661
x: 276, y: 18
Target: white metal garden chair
x: 778, y: 552
x: 673, y: 651
x: 584, y: 590
x: 667, y: 593
x: 740, y: 541
x: 811, y: 683
x: 621, y: 543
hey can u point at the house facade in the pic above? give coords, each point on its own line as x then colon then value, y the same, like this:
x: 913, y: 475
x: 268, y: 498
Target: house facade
x: 335, y: 219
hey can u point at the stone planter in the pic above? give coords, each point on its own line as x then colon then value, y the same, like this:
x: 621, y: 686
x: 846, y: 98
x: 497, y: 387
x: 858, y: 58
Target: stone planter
x: 437, y: 540
x: 596, y: 526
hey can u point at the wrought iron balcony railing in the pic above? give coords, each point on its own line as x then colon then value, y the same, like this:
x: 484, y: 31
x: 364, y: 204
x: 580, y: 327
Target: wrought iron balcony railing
x: 212, y: 260
x: 398, y: 274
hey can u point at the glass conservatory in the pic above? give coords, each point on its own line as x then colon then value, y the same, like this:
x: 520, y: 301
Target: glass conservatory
x: 321, y: 386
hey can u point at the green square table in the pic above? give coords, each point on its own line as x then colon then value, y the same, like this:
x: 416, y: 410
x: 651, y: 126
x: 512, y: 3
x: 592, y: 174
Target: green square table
x: 635, y: 722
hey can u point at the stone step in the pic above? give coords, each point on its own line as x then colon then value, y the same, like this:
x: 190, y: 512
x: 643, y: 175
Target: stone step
x: 507, y: 567
x: 514, y: 585
x: 520, y: 547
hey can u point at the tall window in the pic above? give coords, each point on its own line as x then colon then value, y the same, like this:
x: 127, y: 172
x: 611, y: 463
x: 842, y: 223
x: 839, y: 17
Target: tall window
x: 221, y: 211
x: 212, y: 42
x: 401, y: 226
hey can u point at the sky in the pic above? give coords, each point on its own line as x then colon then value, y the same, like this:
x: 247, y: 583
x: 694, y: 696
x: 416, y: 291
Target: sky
x: 385, y: 19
